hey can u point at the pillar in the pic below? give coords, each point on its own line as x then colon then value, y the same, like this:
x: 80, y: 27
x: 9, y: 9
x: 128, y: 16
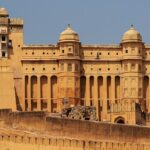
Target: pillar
x: 38, y: 93
x: 29, y: 94
x: 87, y: 102
x: 23, y: 92
x: 96, y: 96
x: 113, y: 89
x: 49, y: 101
x: 148, y: 99
x: 104, y: 105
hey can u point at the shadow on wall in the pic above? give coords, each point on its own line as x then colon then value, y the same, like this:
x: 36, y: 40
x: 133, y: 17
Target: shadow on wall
x: 18, y: 102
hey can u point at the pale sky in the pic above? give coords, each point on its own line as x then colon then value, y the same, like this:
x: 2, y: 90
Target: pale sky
x: 96, y: 21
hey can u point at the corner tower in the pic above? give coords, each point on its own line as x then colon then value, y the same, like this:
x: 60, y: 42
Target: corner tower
x: 132, y: 47
x: 7, y: 92
x: 4, y: 32
x: 69, y: 68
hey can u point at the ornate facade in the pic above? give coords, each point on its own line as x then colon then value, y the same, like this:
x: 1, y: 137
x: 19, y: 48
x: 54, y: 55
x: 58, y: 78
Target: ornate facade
x: 113, y: 78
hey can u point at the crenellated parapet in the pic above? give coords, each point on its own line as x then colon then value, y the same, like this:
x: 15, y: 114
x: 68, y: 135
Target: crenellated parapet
x: 16, y: 21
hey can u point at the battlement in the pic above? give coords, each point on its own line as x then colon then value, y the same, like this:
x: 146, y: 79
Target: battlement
x: 16, y: 21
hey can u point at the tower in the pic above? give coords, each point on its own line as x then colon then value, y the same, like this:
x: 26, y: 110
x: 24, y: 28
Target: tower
x: 4, y: 32
x: 69, y: 68
x: 7, y: 93
x: 132, y: 46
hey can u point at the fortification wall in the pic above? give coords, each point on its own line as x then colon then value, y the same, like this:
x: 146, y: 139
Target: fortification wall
x: 34, y: 143
x: 36, y: 130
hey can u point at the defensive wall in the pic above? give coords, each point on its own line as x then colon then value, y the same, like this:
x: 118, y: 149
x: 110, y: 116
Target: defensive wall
x: 38, y: 130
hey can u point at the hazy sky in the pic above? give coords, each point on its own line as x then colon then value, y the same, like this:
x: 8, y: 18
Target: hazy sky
x: 96, y: 21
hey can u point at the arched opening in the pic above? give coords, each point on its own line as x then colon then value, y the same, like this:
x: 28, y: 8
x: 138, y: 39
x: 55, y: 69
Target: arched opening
x: 54, y: 87
x: 82, y: 89
x: 91, y: 90
x: 26, y: 92
x: 145, y: 87
x: 100, y: 87
x: 117, y: 87
x: 44, y: 92
x: 54, y: 91
x: 34, y: 92
x: 120, y: 120
x: 108, y: 87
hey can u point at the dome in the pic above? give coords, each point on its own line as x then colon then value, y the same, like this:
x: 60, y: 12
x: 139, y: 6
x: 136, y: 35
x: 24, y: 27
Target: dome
x: 132, y: 35
x: 3, y: 12
x: 69, y: 35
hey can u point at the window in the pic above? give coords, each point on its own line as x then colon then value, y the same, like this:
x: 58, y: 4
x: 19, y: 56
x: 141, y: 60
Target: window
x: 91, y: 53
x: 108, y: 69
x: 3, y: 38
x: 126, y: 51
x: 33, y: 69
x: 139, y: 51
x: 100, y: 53
x: 3, y: 54
x: 108, y: 53
x: 43, y: 69
x: 100, y: 69
x: 69, y: 67
x: 62, y: 51
x: 116, y: 53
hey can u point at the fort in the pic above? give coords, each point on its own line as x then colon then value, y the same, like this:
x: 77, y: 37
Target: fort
x: 38, y: 81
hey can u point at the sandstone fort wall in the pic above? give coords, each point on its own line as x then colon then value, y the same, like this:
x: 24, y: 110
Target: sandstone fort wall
x: 37, y: 130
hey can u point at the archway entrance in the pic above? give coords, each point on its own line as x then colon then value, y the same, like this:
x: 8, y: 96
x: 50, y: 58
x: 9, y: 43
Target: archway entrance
x: 120, y: 120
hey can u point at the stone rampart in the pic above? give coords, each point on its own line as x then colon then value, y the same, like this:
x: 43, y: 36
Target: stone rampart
x: 37, y: 130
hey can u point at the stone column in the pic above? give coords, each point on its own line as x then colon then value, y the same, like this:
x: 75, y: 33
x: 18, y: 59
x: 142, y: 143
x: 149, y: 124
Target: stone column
x: 104, y: 105
x: 38, y: 93
x: 49, y: 101
x: 148, y: 100
x: 112, y: 89
x: 29, y: 94
x: 23, y: 92
x: 87, y: 101
x: 96, y: 95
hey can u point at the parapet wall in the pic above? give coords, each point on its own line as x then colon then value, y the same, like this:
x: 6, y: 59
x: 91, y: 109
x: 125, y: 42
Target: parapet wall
x: 34, y: 143
x: 37, y: 129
